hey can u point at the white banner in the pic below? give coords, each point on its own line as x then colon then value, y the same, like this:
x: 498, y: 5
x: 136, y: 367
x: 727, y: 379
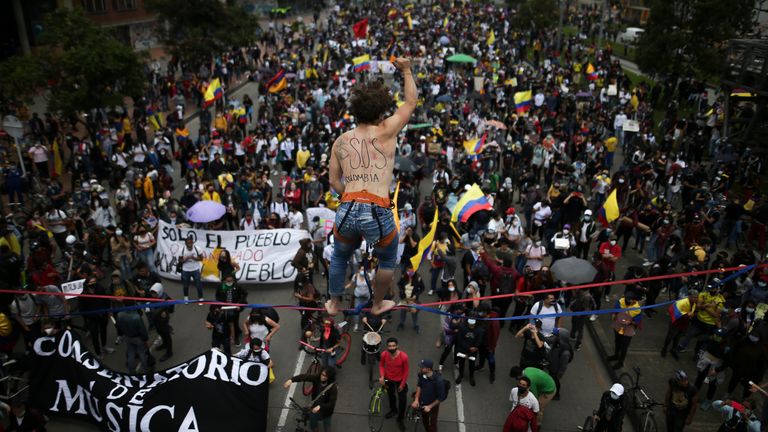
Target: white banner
x: 264, y: 256
x: 326, y: 215
x: 74, y: 287
x: 631, y: 126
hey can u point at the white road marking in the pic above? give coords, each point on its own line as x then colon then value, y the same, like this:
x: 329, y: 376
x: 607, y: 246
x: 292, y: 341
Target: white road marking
x: 459, y: 403
x: 284, y: 413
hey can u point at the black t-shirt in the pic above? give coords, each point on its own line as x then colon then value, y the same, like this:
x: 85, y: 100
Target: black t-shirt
x: 681, y: 398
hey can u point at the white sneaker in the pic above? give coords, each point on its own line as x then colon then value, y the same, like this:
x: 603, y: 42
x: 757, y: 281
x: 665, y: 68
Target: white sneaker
x: 186, y: 298
x: 607, y: 299
x: 593, y: 317
x: 201, y: 301
x: 431, y: 292
x: 356, y: 328
x: 440, y: 368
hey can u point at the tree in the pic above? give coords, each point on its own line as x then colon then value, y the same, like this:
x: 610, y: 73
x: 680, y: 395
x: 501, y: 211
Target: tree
x: 687, y: 37
x: 82, y: 67
x: 542, y: 14
x: 199, y: 29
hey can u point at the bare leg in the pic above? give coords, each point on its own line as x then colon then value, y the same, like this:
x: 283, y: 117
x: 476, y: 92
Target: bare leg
x: 381, y: 287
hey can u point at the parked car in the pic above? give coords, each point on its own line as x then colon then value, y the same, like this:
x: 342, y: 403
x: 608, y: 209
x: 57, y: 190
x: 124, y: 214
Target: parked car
x: 630, y: 36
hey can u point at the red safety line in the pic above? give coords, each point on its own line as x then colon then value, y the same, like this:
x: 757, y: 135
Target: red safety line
x: 432, y: 304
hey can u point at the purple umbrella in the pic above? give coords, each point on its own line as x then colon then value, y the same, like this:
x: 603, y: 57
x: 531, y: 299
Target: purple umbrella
x: 206, y: 211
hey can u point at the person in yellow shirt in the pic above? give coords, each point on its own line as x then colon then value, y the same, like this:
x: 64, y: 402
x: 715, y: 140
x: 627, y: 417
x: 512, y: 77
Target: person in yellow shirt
x: 709, y: 308
x: 302, y: 156
x: 149, y: 189
x: 220, y: 122
x: 10, y: 240
x: 610, y: 147
x: 210, y: 194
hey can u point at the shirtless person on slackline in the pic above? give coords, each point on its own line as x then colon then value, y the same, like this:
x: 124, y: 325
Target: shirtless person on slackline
x: 361, y: 171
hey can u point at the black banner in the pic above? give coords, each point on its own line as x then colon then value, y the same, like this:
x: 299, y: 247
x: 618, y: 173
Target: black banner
x: 211, y: 392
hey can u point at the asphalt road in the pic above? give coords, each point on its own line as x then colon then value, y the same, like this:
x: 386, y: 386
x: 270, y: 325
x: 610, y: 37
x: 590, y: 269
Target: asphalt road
x: 476, y: 409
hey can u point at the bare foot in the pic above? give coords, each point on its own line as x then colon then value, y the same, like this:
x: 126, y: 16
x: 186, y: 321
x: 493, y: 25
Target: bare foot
x: 332, y: 307
x: 384, y: 306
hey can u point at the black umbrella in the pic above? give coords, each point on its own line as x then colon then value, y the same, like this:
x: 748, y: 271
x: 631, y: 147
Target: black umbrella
x: 574, y: 270
x: 403, y: 164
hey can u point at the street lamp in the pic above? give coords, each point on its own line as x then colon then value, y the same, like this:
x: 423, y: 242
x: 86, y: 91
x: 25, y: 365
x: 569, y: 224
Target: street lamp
x: 15, y: 128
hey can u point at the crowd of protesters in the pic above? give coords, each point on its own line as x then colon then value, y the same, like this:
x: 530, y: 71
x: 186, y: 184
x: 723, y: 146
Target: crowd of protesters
x: 688, y: 200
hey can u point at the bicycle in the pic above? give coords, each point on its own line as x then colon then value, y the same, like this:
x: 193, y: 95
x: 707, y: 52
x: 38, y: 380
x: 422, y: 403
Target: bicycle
x: 314, y: 367
x: 413, y: 416
x: 640, y: 400
x: 589, y: 423
x: 11, y: 385
x: 375, y: 415
x: 302, y: 418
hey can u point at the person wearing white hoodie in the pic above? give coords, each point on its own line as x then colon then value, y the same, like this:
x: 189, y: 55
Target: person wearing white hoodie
x: 161, y: 318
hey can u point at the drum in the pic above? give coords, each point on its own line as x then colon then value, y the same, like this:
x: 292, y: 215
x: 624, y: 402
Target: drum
x: 371, y: 342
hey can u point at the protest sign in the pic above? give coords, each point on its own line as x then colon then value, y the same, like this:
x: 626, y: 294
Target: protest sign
x: 212, y: 391
x: 264, y: 256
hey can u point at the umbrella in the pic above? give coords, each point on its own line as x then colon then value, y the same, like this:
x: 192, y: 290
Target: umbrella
x: 574, y: 270
x: 444, y: 40
x: 496, y: 123
x: 403, y: 164
x: 206, y: 211
x: 445, y: 98
x: 461, y: 58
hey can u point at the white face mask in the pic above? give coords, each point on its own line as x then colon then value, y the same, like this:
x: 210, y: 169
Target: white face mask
x: 613, y: 242
x: 451, y: 288
x: 424, y: 376
x: 566, y: 231
x: 48, y: 331
x: 614, y: 396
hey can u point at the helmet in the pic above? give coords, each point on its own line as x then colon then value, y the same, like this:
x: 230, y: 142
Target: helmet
x: 71, y: 240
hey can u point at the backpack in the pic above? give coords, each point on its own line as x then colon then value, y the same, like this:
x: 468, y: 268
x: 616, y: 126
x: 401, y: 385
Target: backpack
x: 541, y: 305
x: 735, y: 423
x: 480, y: 270
x: 519, y: 419
x: 507, y: 283
x: 446, y: 386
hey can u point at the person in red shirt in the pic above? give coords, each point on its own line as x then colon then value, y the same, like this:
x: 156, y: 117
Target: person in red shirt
x: 610, y: 252
x: 492, y: 330
x: 393, y: 372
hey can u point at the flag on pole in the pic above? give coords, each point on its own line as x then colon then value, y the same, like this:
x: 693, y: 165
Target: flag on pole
x: 523, y: 101
x: 491, y: 38
x: 278, y: 82
x: 475, y: 146
x: 361, y: 63
x: 470, y: 203
x: 360, y: 29
x: 609, y: 212
x: 396, y: 211
x: 425, y: 245
x: 591, y: 72
x: 213, y: 93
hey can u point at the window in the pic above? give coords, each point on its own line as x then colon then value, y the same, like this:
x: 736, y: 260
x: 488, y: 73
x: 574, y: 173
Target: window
x: 95, y: 6
x: 122, y: 5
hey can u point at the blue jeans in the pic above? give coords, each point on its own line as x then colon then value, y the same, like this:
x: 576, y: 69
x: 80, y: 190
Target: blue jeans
x: 361, y: 222
x: 415, y: 316
x: 148, y: 256
x: 189, y: 276
x: 136, y: 351
x: 328, y: 359
x: 360, y: 301
x: 125, y: 268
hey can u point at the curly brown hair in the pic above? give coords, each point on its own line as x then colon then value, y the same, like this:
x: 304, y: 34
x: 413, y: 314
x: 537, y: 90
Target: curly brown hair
x: 369, y: 101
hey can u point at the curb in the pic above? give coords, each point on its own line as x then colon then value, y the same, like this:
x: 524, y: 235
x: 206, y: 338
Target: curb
x: 631, y: 412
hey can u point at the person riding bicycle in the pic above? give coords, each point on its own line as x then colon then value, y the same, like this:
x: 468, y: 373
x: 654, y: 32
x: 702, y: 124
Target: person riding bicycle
x: 324, y: 396
x: 330, y: 340
x: 610, y: 415
x: 393, y: 372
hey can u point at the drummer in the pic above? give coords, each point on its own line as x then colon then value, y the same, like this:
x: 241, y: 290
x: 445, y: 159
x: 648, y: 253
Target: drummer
x: 371, y: 324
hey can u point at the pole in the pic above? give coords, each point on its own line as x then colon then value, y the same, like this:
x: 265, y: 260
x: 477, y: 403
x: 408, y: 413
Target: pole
x: 18, y: 153
x: 560, y: 24
x: 603, y: 9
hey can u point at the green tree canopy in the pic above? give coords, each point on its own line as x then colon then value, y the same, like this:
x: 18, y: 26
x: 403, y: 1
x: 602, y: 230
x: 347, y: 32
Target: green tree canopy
x: 198, y: 29
x: 82, y: 66
x: 690, y: 36
x: 541, y: 14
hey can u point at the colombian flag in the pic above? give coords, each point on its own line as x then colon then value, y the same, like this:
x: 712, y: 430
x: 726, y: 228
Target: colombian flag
x: 491, y: 38
x: 278, y: 82
x: 425, y: 245
x: 523, y: 101
x: 681, y: 308
x: 475, y: 146
x: 470, y: 203
x: 213, y: 93
x: 609, y: 212
x: 445, y: 22
x: 591, y: 72
x: 155, y: 118
x: 361, y: 63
